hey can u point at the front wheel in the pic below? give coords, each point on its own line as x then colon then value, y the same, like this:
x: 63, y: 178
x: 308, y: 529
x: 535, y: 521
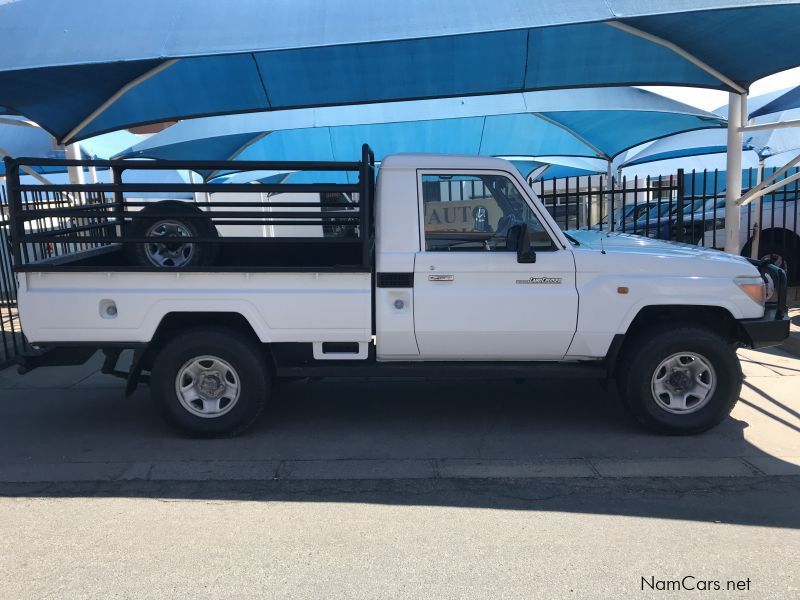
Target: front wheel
x: 679, y: 380
x: 210, y: 382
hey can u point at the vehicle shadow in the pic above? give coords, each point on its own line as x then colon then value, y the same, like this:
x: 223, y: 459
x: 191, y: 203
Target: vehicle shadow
x: 362, y: 428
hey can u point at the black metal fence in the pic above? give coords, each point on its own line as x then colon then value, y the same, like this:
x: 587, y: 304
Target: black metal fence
x: 12, y: 342
x: 686, y: 207
x: 637, y: 205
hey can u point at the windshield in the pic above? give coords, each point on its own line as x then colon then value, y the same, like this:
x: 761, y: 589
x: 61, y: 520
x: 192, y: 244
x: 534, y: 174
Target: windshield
x: 708, y: 205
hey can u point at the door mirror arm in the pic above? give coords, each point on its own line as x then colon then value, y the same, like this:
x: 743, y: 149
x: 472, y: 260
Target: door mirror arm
x: 525, y: 254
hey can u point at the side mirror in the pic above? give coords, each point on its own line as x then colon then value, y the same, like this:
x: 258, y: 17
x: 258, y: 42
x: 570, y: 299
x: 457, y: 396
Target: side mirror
x: 525, y: 254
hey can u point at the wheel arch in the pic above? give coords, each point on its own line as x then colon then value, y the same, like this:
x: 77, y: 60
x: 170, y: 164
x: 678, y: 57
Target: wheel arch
x: 175, y: 323
x: 716, y: 318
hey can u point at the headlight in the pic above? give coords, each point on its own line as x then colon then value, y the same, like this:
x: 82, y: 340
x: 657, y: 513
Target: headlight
x: 755, y: 287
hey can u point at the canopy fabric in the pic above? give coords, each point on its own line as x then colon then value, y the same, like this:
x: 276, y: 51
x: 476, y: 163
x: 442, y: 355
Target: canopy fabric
x: 706, y: 162
x: 80, y: 69
x: 19, y: 137
x: 696, y: 143
x: 778, y: 102
x: 594, y: 123
x: 557, y: 167
x: 763, y: 144
x: 548, y: 168
x: 761, y: 105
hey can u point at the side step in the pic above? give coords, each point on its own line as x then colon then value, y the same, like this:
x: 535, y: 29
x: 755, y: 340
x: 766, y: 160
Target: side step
x: 450, y: 370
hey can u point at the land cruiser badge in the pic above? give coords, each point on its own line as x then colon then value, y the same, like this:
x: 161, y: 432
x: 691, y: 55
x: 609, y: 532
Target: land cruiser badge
x: 539, y: 280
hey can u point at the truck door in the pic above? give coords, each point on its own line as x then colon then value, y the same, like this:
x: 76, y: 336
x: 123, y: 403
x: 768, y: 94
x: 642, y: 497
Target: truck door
x: 472, y: 299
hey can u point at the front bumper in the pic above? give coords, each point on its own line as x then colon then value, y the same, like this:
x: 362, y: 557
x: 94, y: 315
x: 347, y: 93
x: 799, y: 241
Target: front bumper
x: 766, y: 331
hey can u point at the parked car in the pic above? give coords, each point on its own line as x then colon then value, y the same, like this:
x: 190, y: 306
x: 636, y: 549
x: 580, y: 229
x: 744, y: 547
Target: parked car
x: 624, y: 217
x: 779, y: 242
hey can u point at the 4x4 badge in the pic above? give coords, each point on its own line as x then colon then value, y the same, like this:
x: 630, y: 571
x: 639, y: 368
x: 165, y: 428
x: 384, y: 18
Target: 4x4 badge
x: 544, y: 280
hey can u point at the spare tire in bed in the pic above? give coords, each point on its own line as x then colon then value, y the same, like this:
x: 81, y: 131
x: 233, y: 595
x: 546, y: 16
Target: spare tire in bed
x: 167, y: 251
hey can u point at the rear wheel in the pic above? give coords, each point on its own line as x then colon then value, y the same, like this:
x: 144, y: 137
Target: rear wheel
x: 679, y: 379
x: 210, y: 382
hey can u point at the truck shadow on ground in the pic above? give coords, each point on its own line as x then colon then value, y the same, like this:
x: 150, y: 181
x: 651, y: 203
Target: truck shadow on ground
x: 359, y: 428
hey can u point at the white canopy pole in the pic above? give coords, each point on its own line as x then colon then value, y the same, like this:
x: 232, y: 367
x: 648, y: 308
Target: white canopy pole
x: 609, y: 199
x: 733, y: 183
x: 75, y: 173
x: 756, y: 238
x: 773, y: 125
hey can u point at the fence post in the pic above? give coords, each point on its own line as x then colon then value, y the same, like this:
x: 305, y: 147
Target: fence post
x: 119, y: 200
x: 679, y: 217
x: 15, y: 210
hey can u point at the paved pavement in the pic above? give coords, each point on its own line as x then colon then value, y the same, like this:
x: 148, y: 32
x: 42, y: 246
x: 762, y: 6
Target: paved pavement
x: 400, y: 489
x: 74, y: 424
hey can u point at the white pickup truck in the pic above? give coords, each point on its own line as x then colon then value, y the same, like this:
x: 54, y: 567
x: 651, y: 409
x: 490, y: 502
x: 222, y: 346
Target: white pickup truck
x: 457, y: 272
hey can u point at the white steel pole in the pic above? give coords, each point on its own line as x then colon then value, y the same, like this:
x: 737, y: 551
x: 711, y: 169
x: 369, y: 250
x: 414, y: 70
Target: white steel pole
x: 609, y: 200
x: 75, y: 173
x: 733, y: 177
x: 756, y: 239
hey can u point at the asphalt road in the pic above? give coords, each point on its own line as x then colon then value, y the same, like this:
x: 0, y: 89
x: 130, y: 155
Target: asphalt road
x: 397, y: 490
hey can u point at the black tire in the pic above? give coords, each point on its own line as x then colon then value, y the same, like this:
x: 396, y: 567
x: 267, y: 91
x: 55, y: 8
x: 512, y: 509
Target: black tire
x: 780, y: 255
x: 187, y: 255
x: 644, y: 354
x: 250, y: 374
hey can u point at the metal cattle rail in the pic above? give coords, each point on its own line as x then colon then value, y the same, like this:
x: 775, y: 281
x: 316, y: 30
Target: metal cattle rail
x: 65, y: 227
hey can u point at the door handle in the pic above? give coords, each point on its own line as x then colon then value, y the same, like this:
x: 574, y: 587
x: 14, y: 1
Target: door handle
x: 441, y: 278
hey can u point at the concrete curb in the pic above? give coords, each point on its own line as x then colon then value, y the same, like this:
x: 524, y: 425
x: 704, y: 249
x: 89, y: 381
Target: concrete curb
x: 792, y: 345
x: 398, y: 469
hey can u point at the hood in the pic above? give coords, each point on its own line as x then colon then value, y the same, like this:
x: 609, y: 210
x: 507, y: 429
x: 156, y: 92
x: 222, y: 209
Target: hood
x: 626, y: 243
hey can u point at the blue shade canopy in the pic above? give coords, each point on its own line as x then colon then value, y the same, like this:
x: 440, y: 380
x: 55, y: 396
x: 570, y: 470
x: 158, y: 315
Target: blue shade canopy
x: 82, y: 68
x: 555, y: 167
x: 777, y: 102
x: 542, y: 167
x: 771, y: 103
x: 20, y: 137
x: 763, y: 144
x: 593, y: 123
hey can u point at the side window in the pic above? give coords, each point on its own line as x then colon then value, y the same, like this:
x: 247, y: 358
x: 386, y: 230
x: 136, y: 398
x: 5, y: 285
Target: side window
x: 477, y: 213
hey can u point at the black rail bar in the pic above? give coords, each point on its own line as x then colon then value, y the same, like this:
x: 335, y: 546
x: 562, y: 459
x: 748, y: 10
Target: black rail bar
x: 190, y: 165
x: 200, y: 239
x: 305, y: 268
x: 167, y: 214
x: 281, y: 188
